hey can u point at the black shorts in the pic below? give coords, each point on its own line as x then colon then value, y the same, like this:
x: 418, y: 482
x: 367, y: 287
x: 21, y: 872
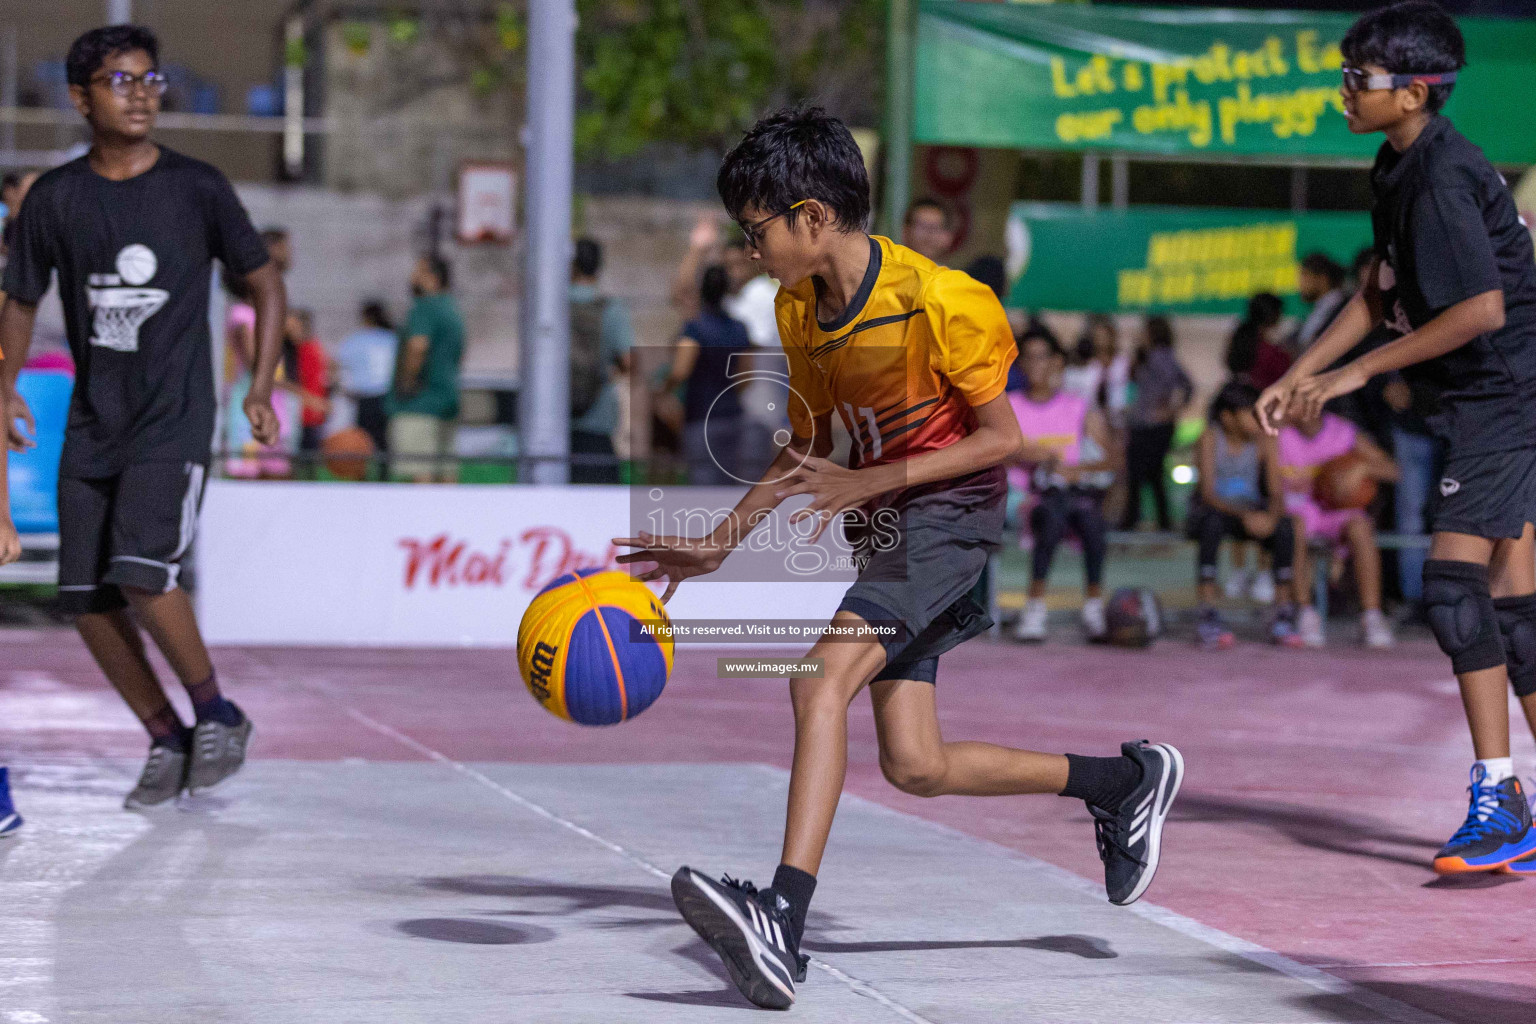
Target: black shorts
x: 129, y: 530
x: 1491, y: 495
x: 921, y: 577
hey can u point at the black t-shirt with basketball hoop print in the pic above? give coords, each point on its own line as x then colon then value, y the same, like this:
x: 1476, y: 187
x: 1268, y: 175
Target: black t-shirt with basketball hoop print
x: 134, y: 268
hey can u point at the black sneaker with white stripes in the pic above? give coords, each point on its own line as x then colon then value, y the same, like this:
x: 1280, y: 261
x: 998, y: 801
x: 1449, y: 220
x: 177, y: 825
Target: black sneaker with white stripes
x: 749, y: 929
x: 1130, y: 837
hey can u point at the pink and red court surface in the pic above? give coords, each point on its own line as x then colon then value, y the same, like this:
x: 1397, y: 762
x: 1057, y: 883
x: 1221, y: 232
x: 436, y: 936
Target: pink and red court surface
x: 1296, y: 865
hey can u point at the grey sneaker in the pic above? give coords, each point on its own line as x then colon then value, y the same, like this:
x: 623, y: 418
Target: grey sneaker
x: 162, y: 778
x: 218, y: 751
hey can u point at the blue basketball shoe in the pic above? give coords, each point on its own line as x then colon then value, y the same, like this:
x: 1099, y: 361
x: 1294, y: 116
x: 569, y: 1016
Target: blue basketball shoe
x: 1497, y: 830
x: 10, y: 821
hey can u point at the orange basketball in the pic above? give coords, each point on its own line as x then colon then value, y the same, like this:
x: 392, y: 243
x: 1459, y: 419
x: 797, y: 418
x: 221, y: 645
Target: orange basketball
x: 1344, y: 482
x: 347, y: 453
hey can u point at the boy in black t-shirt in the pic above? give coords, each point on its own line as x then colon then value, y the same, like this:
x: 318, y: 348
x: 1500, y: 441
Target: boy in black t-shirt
x: 131, y: 229
x: 1454, y: 277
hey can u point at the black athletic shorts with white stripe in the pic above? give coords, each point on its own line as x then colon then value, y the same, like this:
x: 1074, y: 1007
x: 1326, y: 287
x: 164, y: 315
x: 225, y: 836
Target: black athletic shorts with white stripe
x: 129, y: 530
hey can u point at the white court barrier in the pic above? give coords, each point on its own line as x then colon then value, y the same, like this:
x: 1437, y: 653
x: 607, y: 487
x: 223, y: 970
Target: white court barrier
x: 426, y: 565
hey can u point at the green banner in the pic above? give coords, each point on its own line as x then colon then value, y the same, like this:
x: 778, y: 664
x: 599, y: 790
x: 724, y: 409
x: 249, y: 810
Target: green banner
x: 1166, y: 259
x: 1184, y: 81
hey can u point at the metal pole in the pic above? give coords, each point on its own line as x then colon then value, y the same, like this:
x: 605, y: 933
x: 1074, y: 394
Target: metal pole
x: 900, y: 56
x: 544, y: 402
x: 119, y: 12
x: 1090, y: 181
x: 1120, y: 181
x: 10, y: 74
x: 293, y: 97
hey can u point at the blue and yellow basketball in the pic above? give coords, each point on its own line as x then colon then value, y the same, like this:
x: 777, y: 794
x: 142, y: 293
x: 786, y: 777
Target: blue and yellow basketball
x: 583, y: 652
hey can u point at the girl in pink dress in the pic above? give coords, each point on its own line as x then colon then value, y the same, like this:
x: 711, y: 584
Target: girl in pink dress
x: 1303, y: 449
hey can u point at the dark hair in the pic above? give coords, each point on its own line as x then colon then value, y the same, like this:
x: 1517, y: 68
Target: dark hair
x: 10, y: 180
x: 438, y: 268
x: 589, y: 257
x: 1264, y: 312
x: 1085, y: 340
x: 375, y: 312
x: 1323, y: 265
x: 1046, y: 338
x: 89, y: 52
x: 1410, y: 38
x: 930, y: 203
x: 1160, y: 331
x: 989, y: 270
x: 1362, y: 260
x: 713, y: 286
x: 794, y: 155
x: 1234, y: 396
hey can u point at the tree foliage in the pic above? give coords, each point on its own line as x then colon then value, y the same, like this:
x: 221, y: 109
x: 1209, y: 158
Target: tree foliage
x: 697, y: 72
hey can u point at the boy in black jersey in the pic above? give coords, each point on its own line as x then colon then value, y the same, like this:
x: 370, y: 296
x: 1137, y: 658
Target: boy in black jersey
x: 131, y: 229
x: 1454, y: 277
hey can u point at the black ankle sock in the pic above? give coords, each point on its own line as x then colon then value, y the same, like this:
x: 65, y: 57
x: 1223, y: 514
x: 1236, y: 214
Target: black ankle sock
x: 178, y: 741
x: 165, y: 729
x: 1102, y: 781
x: 796, y: 886
x: 209, y: 704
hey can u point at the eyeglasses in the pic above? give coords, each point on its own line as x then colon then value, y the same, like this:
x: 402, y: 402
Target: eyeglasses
x: 122, y: 83
x: 753, y: 232
x: 1359, y: 80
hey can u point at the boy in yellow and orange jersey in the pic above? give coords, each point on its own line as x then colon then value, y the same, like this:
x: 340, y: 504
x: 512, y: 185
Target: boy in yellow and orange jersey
x: 913, y: 358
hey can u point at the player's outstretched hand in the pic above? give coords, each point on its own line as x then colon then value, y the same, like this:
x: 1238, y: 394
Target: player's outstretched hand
x: 20, y: 438
x: 833, y: 490
x: 10, y: 543
x: 264, y: 425
x: 672, y: 558
x: 1314, y: 392
x: 1274, y: 404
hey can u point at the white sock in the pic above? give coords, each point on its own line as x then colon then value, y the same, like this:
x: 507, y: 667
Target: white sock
x: 1498, y: 769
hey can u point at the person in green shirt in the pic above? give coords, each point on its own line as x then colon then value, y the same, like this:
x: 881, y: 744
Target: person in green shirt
x: 423, y: 405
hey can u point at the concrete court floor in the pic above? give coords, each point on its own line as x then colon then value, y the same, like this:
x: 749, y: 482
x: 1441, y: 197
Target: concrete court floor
x: 417, y: 841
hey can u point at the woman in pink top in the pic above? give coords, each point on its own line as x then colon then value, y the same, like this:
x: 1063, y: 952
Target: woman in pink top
x: 1066, y: 466
x: 1303, y: 449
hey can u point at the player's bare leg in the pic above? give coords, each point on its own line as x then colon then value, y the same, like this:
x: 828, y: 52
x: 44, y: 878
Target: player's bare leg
x: 115, y: 642
x: 222, y: 731
x: 821, y: 741
x: 915, y: 758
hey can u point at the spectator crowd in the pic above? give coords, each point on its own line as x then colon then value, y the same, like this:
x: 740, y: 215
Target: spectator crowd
x: 1101, y: 415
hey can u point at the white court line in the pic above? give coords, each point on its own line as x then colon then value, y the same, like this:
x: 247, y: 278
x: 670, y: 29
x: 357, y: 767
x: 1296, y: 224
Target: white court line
x: 1393, y: 1010
x: 862, y: 988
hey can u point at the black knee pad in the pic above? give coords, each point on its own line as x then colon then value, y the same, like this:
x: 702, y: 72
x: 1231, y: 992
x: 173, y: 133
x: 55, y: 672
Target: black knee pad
x: 1517, y: 625
x: 1461, y: 614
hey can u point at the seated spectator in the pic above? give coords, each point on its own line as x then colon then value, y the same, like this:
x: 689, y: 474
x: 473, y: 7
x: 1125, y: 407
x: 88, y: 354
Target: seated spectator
x: 1253, y: 356
x: 1303, y: 448
x: 1067, y: 468
x: 365, y: 361
x: 712, y: 412
x: 1163, y: 390
x: 1241, y: 497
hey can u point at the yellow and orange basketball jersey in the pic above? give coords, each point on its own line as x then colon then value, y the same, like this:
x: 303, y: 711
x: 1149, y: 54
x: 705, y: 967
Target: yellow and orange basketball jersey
x: 917, y: 349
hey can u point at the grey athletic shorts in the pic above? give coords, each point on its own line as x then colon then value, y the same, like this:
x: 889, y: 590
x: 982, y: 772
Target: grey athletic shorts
x: 917, y: 569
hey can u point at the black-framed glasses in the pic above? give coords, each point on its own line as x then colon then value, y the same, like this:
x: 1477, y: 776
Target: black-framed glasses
x: 1360, y: 80
x: 122, y: 83
x: 753, y: 231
